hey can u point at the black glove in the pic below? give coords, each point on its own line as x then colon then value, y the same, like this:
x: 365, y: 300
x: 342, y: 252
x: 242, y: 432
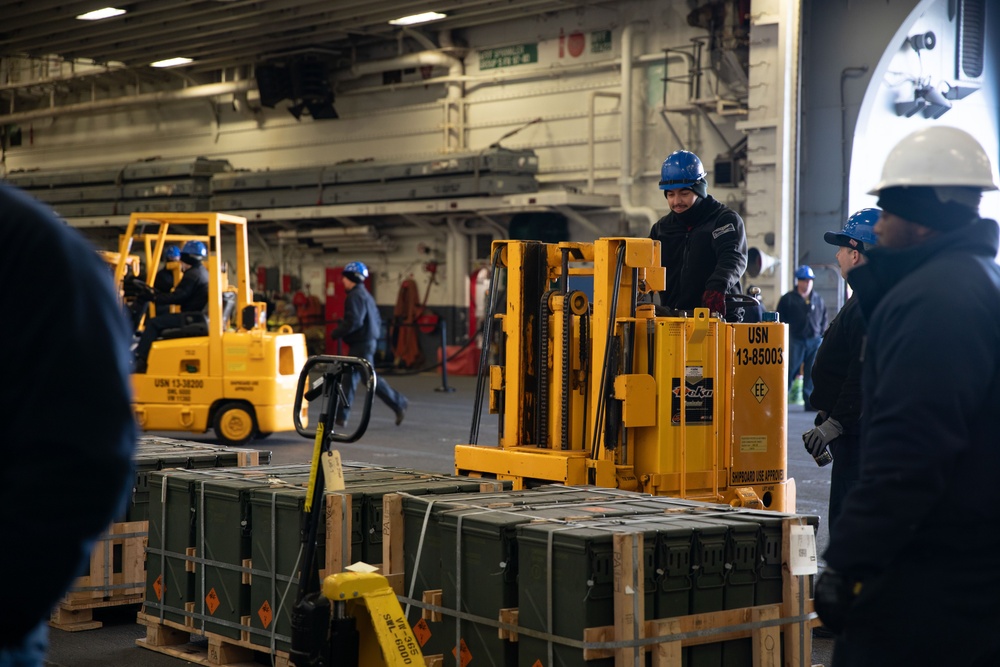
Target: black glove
x: 820, y: 417
x: 834, y: 593
x: 819, y: 438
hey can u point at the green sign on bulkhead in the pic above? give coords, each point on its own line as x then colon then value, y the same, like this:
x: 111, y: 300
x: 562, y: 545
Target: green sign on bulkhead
x: 508, y: 56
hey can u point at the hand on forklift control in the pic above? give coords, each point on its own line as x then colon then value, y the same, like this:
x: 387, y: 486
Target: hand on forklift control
x: 818, y: 438
x: 715, y: 301
x: 834, y: 593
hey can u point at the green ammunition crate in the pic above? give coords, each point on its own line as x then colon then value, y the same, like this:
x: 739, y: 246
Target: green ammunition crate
x: 172, y: 519
x: 488, y: 556
x: 742, y: 567
x: 223, y: 538
x: 580, y: 576
x: 276, y: 541
x: 371, y: 504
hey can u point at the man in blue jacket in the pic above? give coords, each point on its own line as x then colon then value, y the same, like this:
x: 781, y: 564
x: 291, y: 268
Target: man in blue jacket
x: 912, y: 573
x: 360, y: 329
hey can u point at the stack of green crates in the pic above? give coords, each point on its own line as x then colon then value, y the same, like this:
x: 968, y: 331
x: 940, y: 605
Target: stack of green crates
x: 155, y: 453
x: 549, y: 553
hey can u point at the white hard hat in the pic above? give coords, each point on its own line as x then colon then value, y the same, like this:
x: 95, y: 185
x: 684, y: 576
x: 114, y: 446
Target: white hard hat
x: 937, y: 156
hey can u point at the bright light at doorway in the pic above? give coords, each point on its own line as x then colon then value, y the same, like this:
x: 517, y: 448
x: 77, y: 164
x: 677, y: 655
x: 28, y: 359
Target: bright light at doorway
x: 99, y: 14
x: 418, y: 18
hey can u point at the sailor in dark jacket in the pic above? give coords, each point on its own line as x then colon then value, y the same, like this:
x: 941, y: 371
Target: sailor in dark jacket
x: 360, y: 329
x: 912, y: 573
x: 837, y: 372
x: 804, y: 311
x: 703, y: 244
x: 191, y: 294
x: 68, y: 432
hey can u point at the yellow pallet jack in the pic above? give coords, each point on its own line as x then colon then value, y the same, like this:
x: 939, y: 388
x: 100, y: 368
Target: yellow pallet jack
x: 354, y: 618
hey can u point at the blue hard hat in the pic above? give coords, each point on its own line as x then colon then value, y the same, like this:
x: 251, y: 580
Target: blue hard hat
x: 681, y: 169
x: 356, y: 272
x: 859, y: 229
x: 804, y: 273
x: 195, y: 250
x: 172, y: 253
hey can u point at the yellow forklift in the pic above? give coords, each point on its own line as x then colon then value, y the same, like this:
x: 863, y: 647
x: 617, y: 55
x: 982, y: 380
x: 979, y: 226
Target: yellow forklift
x: 221, y: 370
x: 603, y: 390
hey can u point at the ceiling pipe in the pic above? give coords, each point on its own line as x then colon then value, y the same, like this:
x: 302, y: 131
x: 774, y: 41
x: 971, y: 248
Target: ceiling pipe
x: 631, y: 211
x: 409, y: 61
x: 143, y: 99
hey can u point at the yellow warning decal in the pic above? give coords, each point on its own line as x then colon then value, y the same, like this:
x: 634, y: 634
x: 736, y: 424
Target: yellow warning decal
x: 759, y: 389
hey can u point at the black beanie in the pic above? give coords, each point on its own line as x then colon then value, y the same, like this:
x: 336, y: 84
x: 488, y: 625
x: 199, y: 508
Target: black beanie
x: 921, y: 205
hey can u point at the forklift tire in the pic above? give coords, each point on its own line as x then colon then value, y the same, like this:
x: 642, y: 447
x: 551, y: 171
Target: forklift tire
x: 235, y: 424
x: 262, y: 436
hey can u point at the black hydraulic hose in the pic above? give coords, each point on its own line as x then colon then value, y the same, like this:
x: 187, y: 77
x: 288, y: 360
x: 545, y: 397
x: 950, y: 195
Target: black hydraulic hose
x: 628, y: 346
x: 484, y: 354
x: 567, y: 342
x: 602, y: 399
x: 584, y: 367
x: 542, y: 398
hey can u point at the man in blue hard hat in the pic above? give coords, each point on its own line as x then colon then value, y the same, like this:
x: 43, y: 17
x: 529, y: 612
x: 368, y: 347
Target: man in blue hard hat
x: 360, y: 329
x: 703, y: 243
x: 804, y: 311
x: 191, y: 294
x: 836, y: 373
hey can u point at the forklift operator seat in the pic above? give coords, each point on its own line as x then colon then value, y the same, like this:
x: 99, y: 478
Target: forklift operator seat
x: 196, y: 323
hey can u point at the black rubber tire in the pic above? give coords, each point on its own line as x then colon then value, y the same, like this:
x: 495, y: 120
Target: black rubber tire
x: 235, y: 424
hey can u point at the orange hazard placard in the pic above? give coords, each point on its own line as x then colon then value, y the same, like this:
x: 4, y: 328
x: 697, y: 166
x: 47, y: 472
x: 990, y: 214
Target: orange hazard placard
x: 212, y: 601
x: 158, y: 588
x: 422, y: 632
x: 537, y: 663
x: 265, y: 614
x: 466, y: 656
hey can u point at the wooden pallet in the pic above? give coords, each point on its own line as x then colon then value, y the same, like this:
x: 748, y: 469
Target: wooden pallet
x: 175, y: 639
x: 115, y: 576
x: 70, y: 618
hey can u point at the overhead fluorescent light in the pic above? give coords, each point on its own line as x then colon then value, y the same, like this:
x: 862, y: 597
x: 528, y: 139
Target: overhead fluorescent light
x: 419, y: 18
x: 99, y: 14
x: 171, y: 62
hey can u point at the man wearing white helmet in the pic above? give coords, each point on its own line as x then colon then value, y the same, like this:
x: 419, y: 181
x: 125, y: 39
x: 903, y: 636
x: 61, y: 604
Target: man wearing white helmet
x: 915, y: 546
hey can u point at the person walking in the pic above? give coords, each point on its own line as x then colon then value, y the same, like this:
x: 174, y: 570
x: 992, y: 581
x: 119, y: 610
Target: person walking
x: 836, y: 373
x: 360, y: 329
x: 703, y: 243
x: 911, y: 572
x: 804, y: 311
